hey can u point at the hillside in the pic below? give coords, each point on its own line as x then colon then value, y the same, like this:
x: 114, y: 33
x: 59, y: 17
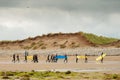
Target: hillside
x: 59, y: 41
x: 99, y: 40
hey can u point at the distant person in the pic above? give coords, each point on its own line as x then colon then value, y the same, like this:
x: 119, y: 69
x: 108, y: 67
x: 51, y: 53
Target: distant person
x: 48, y: 58
x: 25, y: 55
x: 13, y: 60
x: 102, y: 57
x: 52, y: 58
x: 66, y: 59
x: 35, y: 58
x: 86, y: 59
x: 18, y: 59
x: 55, y: 58
x: 76, y: 58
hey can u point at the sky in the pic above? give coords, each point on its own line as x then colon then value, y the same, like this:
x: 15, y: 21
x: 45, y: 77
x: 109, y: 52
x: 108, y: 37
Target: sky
x: 20, y: 19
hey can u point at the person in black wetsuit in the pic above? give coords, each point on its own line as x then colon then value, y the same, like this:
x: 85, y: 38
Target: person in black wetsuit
x: 48, y: 58
x: 13, y: 60
x: 102, y: 57
x: 76, y: 58
x: 66, y: 59
x: 86, y: 59
x: 18, y: 59
x: 35, y: 58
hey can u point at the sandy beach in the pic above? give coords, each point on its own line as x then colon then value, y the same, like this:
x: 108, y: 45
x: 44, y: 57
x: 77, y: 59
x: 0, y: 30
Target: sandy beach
x: 111, y: 64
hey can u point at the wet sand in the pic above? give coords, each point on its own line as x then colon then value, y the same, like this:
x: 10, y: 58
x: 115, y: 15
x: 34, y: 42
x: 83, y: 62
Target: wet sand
x: 111, y: 64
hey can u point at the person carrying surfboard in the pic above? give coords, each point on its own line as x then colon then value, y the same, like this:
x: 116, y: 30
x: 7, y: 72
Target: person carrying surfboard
x: 102, y: 55
x: 25, y: 55
x: 56, y: 59
x: 65, y: 60
x: 76, y: 58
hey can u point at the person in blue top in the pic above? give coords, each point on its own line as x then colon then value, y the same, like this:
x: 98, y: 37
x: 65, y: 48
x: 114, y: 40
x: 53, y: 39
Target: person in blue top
x: 25, y: 55
x: 56, y: 59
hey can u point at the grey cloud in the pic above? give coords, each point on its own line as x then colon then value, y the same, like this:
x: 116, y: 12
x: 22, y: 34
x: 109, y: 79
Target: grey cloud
x: 101, y: 17
x: 70, y: 5
x: 35, y: 21
x: 10, y: 3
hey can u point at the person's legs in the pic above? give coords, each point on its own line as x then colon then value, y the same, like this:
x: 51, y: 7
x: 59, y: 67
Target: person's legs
x: 102, y: 60
x: 76, y: 60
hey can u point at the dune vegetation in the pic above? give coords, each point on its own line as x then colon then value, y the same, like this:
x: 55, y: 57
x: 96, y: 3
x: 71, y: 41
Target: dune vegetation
x: 48, y: 75
x: 99, y: 40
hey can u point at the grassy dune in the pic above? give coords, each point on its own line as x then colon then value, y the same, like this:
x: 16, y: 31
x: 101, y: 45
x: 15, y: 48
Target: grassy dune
x: 60, y: 41
x: 48, y: 75
x: 98, y: 39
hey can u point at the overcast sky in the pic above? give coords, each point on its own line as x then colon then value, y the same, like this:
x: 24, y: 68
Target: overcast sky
x: 20, y: 19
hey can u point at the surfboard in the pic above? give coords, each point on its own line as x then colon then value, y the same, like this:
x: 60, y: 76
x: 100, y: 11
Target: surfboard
x: 82, y: 57
x: 100, y: 57
x: 60, y: 57
x: 30, y: 57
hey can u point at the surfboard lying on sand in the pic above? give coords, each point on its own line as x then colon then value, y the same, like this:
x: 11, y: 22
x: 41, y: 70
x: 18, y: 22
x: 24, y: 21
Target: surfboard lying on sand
x: 100, y: 57
x: 81, y: 57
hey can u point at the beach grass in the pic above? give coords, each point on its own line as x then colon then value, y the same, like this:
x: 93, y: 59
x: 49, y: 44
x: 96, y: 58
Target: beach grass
x: 49, y: 75
x: 98, y: 39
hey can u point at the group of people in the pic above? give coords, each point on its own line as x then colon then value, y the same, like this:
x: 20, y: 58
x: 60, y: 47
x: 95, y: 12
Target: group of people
x: 16, y: 58
x: 34, y: 58
x: 54, y: 58
x: 50, y: 58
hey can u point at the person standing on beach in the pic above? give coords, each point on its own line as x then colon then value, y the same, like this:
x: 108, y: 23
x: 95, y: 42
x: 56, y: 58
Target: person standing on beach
x: 102, y: 57
x: 18, y: 59
x: 13, y: 60
x: 48, y: 58
x: 55, y: 57
x: 52, y: 58
x: 35, y: 58
x: 66, y: 59
x: 86, y: 59
x: 25, y: 55
x: 76, y: 58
